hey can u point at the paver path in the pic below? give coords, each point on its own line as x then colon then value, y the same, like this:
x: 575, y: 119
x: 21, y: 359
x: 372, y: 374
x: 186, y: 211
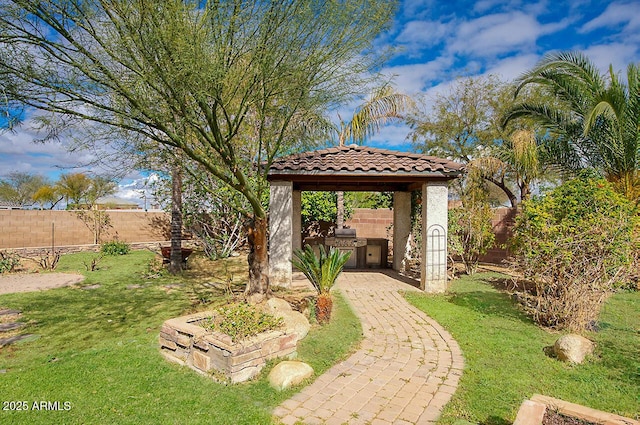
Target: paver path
x: 404, y: 373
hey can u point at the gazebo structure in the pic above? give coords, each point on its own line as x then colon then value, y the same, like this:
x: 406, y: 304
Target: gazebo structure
x: 359, y: 168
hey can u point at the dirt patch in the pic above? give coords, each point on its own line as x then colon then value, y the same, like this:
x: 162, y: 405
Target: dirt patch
x: 554, y: 418
x: 11, y: 283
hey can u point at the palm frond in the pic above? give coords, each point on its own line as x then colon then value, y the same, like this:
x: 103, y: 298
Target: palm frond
x: 384, y: 106
x: 322, y: 270
x: 524, y: 147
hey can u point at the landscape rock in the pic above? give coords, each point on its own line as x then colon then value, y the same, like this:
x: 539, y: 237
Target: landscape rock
x: 289, y: 373
x: 274, y: 305
x: 573, y: 348
x: 294, y: 321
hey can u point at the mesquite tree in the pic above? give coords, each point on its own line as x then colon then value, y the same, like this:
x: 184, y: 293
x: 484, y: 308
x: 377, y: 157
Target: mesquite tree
x: 231, y: 84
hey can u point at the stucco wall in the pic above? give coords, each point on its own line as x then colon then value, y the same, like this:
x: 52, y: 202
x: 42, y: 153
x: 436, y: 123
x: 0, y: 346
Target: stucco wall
x: 33, y: 228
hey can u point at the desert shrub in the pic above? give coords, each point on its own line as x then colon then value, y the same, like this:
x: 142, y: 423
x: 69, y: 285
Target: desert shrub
x: 241, y: 321
x: 575, y: 246
x: 115, y: 248
x: 470, y: 233
x: 8, y: 261
x: 91, y: 264
x: 155, y: 268
x: 48, y: 260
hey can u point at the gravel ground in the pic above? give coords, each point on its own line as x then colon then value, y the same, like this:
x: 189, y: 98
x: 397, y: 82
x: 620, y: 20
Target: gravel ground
x: 10, y: 283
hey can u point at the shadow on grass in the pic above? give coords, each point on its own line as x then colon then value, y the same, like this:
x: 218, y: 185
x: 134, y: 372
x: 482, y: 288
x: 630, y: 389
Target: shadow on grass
x: 81, y: 318
x: 489, y: 301
x: 496, y: 420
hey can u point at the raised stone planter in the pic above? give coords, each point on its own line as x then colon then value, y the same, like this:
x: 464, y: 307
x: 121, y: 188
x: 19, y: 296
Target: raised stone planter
x: 182, y: 340
x: 532, y: 412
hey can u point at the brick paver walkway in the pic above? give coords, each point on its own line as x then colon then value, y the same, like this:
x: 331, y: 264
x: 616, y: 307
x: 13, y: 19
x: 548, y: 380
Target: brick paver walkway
x: 404, y: 373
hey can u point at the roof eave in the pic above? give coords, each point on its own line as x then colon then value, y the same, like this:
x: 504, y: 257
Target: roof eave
x: 293, y: 174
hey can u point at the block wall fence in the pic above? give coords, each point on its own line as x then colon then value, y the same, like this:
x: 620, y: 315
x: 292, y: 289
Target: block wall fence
x: 35, y: 228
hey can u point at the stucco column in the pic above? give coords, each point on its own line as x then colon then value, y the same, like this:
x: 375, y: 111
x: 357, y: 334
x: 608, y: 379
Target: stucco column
x: 280, y: 233
x: 433, y: 268
x: 296, y: 239
x: 401, y: 228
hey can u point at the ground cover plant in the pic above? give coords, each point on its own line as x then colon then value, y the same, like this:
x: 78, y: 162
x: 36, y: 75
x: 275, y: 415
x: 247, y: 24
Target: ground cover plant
x: 98, y: 348
x: 505, y: 362
x: 241, y: 321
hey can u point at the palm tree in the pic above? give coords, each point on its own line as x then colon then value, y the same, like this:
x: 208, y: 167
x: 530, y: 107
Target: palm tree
x: 384, y: 106
x: 519, y: 158
x: 594, y: 120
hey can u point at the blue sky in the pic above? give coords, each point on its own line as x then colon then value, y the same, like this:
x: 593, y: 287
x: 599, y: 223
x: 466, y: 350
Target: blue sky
x: 437, y: 42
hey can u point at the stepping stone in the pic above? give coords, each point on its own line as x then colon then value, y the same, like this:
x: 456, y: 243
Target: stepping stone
x: 8, y: 312
x: 90, y: 287
x: 4, y: 327
x: 7, y: 341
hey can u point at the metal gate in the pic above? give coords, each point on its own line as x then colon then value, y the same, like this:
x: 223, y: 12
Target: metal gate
x: 436, y: 255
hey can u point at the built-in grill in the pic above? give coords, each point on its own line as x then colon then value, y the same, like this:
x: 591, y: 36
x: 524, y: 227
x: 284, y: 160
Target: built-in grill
x: 346, y: 238
x: 365, y: 252
x: 346, y: 241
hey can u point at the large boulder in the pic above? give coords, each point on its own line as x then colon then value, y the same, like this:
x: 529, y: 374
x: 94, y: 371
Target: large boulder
x: 294, y: 321
x: 573, y: 348
x: 289, y: 373
x: 275, y: 305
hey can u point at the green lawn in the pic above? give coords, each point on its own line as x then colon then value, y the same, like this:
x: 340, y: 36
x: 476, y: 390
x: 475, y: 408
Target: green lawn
x: 97, y: 350
x: 505, y: 362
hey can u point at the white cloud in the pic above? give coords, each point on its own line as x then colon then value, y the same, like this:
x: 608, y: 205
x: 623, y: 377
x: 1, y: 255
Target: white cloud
x: 500, y: 34
x: 411, y: 79
x: 138, y: 189
x: 423, y: 34
x: 416, y: 9
x: 617, y: 54
x: 614, y: 15
x: 485, y: 5
x: 19, y: 153
x: 512, y: 67
x: 391, y: 137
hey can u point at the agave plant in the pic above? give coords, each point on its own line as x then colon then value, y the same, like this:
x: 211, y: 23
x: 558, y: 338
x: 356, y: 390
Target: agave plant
x: 322, y: 271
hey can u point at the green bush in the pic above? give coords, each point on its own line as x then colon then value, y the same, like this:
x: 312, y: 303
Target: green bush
x: 575, y: 246
x: 470, y: 233
x: 242, y: 321
x: 115, y: 248
x: 8, y: 262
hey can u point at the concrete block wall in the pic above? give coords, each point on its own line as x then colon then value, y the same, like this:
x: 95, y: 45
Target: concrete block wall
x: 33, y: 228
x: 372, y: 223
x: 502, y: 222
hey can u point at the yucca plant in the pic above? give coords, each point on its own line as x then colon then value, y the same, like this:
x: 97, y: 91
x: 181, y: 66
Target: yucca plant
x: 322, y: 271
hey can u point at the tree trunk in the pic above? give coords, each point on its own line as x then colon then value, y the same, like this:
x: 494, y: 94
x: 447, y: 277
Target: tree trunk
x: 525, y: 192
x: 258, y: 257
x: 324, y: 305
x: 175, y: 258
x: 340, y: 210
x: 512, y: 197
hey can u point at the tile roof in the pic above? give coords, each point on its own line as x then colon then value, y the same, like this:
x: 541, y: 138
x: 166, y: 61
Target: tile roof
x: 355, y: 159
x: 9, y: 205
